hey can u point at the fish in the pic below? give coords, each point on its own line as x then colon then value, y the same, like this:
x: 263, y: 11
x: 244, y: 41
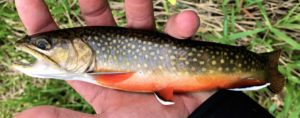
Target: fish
x: 146, y: 61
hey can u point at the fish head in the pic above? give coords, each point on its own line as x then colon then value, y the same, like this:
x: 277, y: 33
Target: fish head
x: 56, y: 56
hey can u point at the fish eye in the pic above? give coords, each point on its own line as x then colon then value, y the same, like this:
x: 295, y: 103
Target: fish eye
x: 43, y: 44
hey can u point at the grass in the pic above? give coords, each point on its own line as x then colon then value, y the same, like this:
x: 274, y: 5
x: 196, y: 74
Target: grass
x: 259, y: 26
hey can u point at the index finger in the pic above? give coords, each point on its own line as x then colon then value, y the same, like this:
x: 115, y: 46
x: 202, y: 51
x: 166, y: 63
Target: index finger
x: 140, y: 14
x: 35, y: 16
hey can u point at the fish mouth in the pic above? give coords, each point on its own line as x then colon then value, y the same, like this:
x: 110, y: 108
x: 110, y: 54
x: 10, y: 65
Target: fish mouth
x: 41, y: 63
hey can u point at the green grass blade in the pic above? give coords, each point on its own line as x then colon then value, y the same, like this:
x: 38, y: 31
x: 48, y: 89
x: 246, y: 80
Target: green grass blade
x: 289, y: 26
x: 246, y: 33
x: 295, y: 45
x: 288, y: 16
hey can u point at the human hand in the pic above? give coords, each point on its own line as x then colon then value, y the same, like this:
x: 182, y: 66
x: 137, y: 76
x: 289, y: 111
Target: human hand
x: 107, y: 102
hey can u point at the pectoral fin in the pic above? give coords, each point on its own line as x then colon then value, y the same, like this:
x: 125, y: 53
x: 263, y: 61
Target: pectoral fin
x: 111, y: 77
x: 165, y: 96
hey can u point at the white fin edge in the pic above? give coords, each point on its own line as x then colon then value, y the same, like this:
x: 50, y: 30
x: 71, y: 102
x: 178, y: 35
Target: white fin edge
x: 163, y: 102
x: 252, y: 88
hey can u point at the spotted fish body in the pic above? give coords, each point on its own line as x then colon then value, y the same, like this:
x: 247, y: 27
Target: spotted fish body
x: 149, y: 61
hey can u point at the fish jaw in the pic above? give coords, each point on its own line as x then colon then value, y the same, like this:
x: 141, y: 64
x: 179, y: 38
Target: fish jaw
x: 43, y: 67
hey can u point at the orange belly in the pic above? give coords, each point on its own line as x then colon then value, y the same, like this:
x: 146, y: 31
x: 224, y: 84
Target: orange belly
x: 137, y: 82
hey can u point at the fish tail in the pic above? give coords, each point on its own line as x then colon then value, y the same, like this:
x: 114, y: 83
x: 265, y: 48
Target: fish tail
x: 274, y: 77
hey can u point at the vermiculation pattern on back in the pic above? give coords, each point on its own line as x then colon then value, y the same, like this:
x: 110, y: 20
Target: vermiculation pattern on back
x: 122, y: 49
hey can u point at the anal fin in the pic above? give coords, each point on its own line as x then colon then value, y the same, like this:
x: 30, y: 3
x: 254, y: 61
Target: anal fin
x: 251, y: 88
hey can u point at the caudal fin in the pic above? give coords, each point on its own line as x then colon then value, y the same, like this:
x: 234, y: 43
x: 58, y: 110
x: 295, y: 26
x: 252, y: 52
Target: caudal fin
x: 274, y: 77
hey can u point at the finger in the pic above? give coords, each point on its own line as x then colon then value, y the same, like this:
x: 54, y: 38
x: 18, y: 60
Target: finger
x: 183, y: 25
x: 193, y: 100
x: 139, y: 14
x: 35, y: 16
x: 52, y: 112
x: 96, y: 12
x: 90, y: 92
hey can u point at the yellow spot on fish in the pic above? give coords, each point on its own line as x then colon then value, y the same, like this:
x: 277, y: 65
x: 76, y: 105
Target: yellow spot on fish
x: 239, y: 65
x: 203, y: 69
x: 190, y: 54
x: 182, y: 58
x: 193, y: 68
x: 211, y: 71
x: 96, y: 37
x: 161, y: 57
x: 195, y: 59
x: 225, y: 53
x: 231, y: 61
x: 173, y: 63
x: 220, y: 69
x: 152, y: 53
x: 201, y: 62
x: 172, y: 57
x: 227, y: 69
x: 132, y: 46
x: 222, y: 61
x: 145, y: 65
x: 213, y: 62
x: 236, y: 56
x: 160, y: 67
x: 187, y: 62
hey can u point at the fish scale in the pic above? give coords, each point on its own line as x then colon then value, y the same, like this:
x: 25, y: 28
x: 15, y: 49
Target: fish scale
x: 147, y: 61
x: 168, y: 54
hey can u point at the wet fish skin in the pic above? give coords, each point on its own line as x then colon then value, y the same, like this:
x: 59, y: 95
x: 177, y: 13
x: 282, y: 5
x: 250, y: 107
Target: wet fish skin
x: 159, y: 57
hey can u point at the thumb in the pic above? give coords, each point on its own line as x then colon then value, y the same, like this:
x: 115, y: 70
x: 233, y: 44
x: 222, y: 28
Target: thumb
x: 52, y: 112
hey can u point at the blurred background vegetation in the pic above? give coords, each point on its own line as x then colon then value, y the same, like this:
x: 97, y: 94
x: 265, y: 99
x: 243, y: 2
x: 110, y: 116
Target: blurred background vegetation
x: 259, y: 25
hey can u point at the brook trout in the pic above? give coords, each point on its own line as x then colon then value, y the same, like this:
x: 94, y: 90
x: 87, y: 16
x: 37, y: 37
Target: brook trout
x: 147, y: 61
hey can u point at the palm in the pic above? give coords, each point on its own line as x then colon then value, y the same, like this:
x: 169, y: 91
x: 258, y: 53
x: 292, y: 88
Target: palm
x: 113, y: 103
x: 107, y: 102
